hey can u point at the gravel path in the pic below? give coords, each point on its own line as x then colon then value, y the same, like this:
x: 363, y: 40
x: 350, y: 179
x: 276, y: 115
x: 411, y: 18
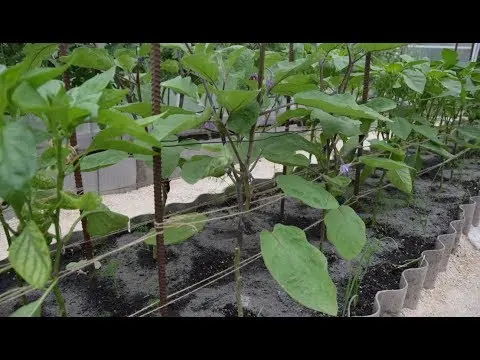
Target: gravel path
x: 457, y: 290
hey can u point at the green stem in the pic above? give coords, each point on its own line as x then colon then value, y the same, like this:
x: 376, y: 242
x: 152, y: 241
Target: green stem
x: 380, y: 183
x: 238, y: 284
x: 58, y: 249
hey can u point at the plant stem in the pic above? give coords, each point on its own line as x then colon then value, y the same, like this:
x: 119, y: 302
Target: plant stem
x: 58, y: 235
x: 379, y: 188
x: 158, y: 192
x: 287, y: 128
x: 366, y: 83
x: 238, y: 284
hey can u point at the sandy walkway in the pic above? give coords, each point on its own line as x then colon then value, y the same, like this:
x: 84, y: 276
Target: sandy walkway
x: 457, y: 290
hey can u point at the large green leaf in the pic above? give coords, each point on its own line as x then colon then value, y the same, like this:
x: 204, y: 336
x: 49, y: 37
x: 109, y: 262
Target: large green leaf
x: 202, y: 65
x: 401, y: 179
x: 294, y: 84
x: 87, y: 57
x: 111, y: 97
x: 437, y: 149
x: 120, y: 145
x: 182, y: 86
x: 28, y: 99
x: 17, y: 157
x: 106, y: 221
x: 285, y: 158
x: 92, y: 86
x: 427, y: 131
x: 346, y: 231
x: 370, y: 47
x: 37, y: 52
x: 102, y: 159
x: 385, y: 146
x: 400, y: 127
x: 454, y: 86
x: 339, y: 104
x: 39, y: 76
x: 144, y: 109
x: 414, y: 79
x: 34, y: 308
x: 332, y: 124
x: 235, y: 99
x: 126, y: 59
x: 469, y: 133
x: 299, y: 268
x: 450, y: 57
x: 384, y: 163
x: 179, y: 228
x: 201, y: 166
x: 240, y: 121
x: 30, y: 257
x: 310, y: 193
x: 175, y: 124
x: 86, y: 202
x: 290, y: 114
x: 381, y: 104
x: 127, y: 125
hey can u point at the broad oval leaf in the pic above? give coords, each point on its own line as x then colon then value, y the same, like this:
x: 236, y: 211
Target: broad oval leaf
x: 381, y: 104
x: 384, y: 163
x: 346, y: 231
x: 299, y: 268
x: 87, y: 57
x: 235, y: 99
x: 309, y: 192
x: 400, y: 127
x: 179, y: 228
x: 414, y: 79
x: 106, y: 221
x: 202, y: 65
x: 111, y: 97
x: 437, y: 149
x: 30, y: 256
x: 383, y: 145
x: 39, y: 76
x: 291, y: 114
x: 401, y: 179
x: 102, y: 159
x: 144, y: 109
x: 240, y: 121
x: 28, y: 99
x: 17, y: 157
x: 35, y: 53
x: 294, y: 84
x: 202, y: 166
x: 450, y: 57
x: 32, y: 309
x: 332, y: 125
x: 85, y: 202
x: 182, y: 85
x: 339, y: 104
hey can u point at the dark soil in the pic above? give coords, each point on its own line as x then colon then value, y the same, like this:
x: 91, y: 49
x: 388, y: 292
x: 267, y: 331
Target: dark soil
x: 127, y: 281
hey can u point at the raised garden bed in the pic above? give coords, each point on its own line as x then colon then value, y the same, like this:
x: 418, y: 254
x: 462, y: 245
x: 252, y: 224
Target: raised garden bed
x: 127, y: 281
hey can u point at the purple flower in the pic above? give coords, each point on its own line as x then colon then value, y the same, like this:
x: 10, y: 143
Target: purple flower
x: 209, y: 125
x: 269, y: 83
x: 254, y: 76
x: 344, y: 169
